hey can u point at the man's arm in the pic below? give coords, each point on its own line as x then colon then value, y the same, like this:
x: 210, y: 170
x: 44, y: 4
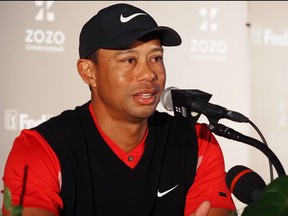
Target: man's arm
x: 32, y: 161
x: 221, y: 212
x: 209, y: 183
x: 205, y: 210
x: 34, y: 211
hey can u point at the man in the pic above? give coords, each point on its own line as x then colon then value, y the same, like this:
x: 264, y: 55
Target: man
x: 116, y: 155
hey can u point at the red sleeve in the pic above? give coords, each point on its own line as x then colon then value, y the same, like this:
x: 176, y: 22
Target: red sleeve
x: 43, y: 180
x: 209, y: 182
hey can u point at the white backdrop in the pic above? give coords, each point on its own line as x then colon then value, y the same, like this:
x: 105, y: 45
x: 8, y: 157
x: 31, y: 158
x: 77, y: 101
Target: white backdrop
x: 235, y: 50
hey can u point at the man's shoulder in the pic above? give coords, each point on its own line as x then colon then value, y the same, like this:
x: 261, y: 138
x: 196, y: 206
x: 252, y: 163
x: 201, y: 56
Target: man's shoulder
x: 67, y: 121
x: 65, y: 117
x: 162, y: 115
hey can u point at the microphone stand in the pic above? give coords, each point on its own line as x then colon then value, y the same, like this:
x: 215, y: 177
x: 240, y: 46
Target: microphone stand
x: 229, y: 133
x: 182, y: 100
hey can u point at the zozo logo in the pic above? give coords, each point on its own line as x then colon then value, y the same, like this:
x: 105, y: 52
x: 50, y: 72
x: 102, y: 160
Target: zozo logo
x: 48, y: 37
x: 44, y: 40
x: 208, y: 46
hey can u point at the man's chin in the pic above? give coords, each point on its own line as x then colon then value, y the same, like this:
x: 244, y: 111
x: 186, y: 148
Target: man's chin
x: 144, y: 113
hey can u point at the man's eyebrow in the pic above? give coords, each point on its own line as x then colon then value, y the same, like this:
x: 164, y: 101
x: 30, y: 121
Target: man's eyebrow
x: 155, y: 49
x: 158, y: 49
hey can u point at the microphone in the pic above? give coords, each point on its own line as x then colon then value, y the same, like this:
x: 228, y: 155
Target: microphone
x: 198, y: 103
x: 244, y: 183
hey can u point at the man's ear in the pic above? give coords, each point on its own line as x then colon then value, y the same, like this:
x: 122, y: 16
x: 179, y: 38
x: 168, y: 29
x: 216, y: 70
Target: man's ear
x: 87, y: 71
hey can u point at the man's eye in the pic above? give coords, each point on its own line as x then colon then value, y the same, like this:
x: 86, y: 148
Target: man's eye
x: 129, y: 61
x: 159, y: 58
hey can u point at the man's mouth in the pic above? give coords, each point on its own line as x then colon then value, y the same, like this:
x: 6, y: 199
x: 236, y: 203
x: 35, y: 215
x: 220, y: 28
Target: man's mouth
x: 145, y: 98
x: 145, y: 95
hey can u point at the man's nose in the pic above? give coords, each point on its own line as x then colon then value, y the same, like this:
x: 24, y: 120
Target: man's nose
x: 146, y: 72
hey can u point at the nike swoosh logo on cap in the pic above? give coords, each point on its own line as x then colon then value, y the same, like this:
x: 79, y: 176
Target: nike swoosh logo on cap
x: 161, y: 194
x: 127, y: 19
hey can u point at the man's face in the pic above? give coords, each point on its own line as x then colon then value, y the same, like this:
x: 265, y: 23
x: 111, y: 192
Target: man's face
x: 129, y: 82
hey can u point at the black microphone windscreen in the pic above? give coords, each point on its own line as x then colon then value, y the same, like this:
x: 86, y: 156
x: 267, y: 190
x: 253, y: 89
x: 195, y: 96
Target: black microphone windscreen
x: 245, y: 184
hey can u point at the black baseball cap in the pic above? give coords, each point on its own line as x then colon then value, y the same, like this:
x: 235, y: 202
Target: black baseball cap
x: 118, y: 26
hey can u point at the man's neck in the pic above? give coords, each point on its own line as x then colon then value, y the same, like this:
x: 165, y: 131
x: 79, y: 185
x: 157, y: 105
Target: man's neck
x: 127, y: 135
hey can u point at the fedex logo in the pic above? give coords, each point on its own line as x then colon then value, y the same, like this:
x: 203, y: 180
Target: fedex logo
x: 14, y: 120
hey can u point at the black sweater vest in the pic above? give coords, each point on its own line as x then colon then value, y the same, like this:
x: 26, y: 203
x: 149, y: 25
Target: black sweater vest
x: 96, y: 182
